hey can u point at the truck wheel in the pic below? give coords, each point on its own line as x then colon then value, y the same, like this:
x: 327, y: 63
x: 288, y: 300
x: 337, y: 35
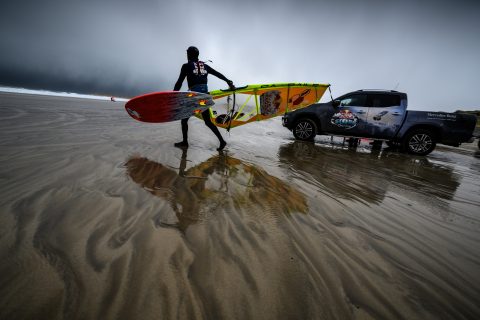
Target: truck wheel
x: 420, y: 142
x: 305, y: 129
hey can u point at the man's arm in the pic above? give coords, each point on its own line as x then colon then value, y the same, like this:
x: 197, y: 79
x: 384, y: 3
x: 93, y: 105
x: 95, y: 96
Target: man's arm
x: 219, y: 75
x: 183, y: 74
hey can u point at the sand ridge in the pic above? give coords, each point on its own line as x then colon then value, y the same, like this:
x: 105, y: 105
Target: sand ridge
x: 102, y: 218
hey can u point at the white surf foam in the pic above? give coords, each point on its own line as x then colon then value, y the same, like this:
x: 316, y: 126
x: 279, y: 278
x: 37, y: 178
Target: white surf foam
x: 57, y: 94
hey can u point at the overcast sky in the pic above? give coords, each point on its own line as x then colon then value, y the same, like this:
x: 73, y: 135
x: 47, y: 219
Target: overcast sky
x: 428, y: 49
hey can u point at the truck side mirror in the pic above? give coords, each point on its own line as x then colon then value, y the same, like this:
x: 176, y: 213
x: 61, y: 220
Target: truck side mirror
x: 335, y: 103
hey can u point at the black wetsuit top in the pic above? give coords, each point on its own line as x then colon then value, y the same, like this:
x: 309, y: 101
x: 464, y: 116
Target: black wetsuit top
x: 196, y: 73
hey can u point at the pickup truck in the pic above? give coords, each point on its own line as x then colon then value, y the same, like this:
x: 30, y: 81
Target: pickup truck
x: 381, y: 115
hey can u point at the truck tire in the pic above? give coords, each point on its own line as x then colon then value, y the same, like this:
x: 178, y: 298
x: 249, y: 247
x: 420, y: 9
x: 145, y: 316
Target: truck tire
x: 420, y: 142
x: 305, y: 129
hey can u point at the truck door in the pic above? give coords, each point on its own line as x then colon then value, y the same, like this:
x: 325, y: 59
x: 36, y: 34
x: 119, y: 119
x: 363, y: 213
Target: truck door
x: 350, y: 116
x: 385, y: 115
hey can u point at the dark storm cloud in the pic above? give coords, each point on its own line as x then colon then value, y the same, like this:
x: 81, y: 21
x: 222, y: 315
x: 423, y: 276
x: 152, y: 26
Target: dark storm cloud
x: 111, y: 47
x: 426, y: 48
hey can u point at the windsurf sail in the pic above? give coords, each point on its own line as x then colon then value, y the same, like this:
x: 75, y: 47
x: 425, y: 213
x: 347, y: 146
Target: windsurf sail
x: 259, y: 102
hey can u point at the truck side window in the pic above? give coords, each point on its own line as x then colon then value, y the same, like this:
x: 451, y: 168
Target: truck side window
x: 355, y: 100
x: 384, y: 100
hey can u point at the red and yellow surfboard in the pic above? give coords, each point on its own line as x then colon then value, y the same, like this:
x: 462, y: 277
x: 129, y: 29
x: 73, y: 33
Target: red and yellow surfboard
x: 167, y: 106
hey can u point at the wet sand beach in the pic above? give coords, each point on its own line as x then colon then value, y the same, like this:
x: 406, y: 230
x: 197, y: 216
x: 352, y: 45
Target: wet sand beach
x: 102, y: 218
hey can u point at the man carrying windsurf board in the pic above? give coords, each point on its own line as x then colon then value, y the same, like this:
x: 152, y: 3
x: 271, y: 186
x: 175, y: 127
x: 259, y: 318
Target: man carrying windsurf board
x: 196, y: 72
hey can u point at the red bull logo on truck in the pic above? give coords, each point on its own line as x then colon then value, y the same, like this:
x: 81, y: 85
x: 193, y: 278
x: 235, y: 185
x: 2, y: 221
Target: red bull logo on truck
x: 345, y: 119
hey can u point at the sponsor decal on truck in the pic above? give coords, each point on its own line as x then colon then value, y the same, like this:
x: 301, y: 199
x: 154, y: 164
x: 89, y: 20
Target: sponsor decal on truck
x: 442, y: 116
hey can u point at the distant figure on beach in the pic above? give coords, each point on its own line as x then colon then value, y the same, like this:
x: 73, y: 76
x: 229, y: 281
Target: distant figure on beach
x: 112, y: 99
x: 196, y: 73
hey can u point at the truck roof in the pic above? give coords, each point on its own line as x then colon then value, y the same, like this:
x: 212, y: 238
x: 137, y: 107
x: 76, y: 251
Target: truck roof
x: 381, y: 91
x: 378, y: 90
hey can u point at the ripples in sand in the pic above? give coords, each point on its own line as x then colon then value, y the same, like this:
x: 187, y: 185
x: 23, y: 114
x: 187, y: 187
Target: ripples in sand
x: 272, y: 229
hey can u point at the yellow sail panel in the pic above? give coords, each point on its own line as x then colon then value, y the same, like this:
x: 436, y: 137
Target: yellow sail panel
x: 261, y: 102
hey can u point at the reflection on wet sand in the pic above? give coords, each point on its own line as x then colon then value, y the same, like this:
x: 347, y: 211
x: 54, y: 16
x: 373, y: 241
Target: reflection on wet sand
x: 368, y: 176
x: 325, y: 234
x: 196, y: 194
x: 410, y: 224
